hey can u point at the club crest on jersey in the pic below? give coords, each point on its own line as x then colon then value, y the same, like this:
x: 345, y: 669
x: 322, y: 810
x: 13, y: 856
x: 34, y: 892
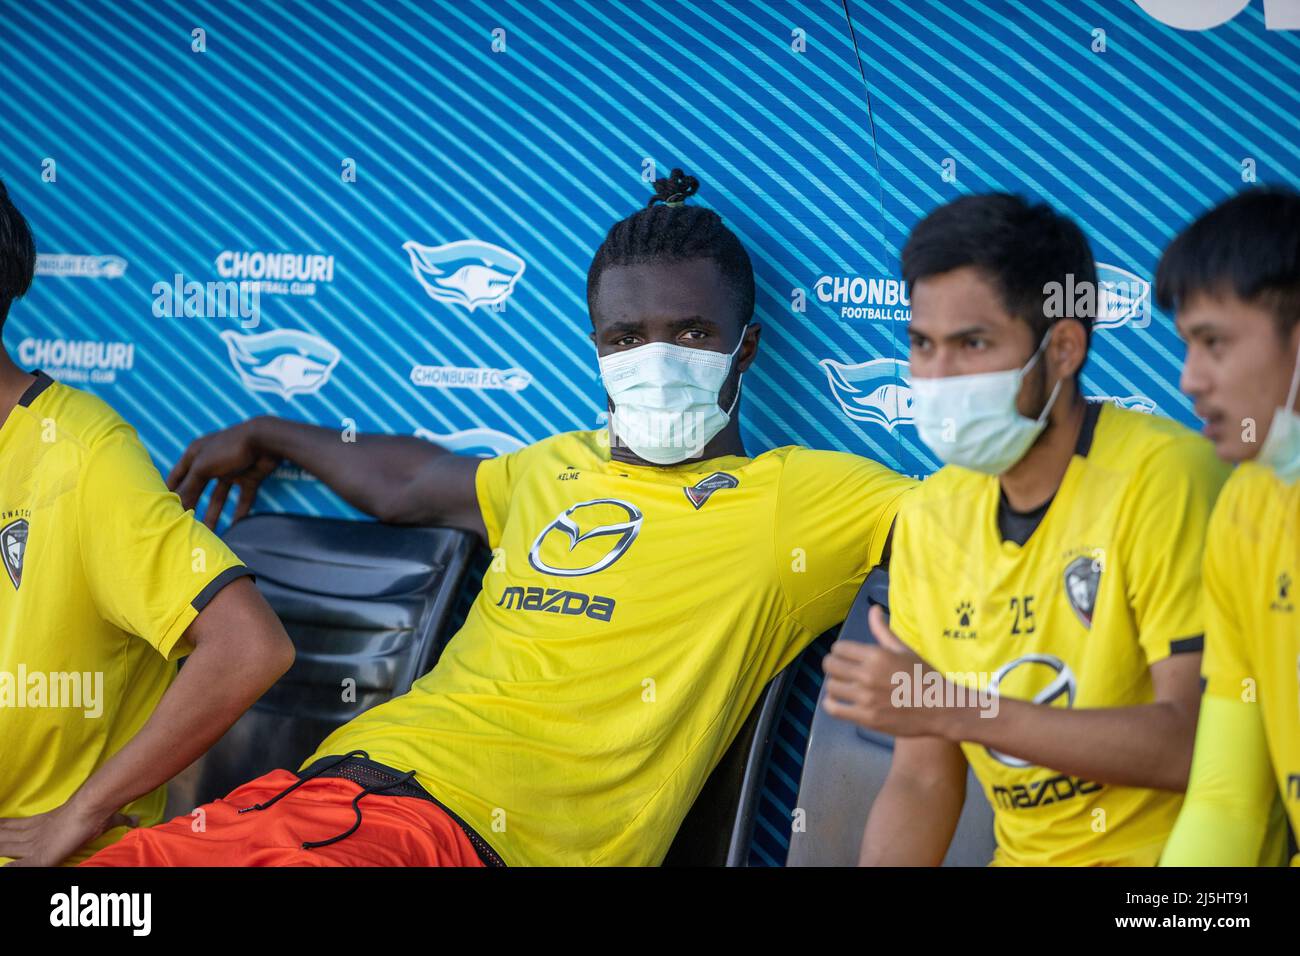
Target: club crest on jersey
x: 13, y: 546
x: 1082, y: 578
x: 703, y: 489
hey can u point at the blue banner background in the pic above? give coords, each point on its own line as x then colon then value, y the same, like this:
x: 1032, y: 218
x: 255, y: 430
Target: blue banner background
x: 821, y: 158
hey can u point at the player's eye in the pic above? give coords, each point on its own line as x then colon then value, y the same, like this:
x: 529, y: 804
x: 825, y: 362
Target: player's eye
x: 695, y: 335
x: 975, y: 343
x: 626, y: 341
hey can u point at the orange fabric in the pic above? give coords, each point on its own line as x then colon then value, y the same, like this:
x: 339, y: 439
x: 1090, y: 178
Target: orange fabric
x: 394, y: 831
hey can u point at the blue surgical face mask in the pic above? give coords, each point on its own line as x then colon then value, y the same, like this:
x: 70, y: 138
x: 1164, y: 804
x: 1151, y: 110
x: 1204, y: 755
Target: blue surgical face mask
x: 666, y: 398
x: 972, y: 420
x: 1281, y: 448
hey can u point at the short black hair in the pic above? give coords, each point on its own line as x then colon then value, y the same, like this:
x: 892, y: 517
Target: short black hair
x: 1019, y: 247
x: 1247, y: 246
x: 675, y: 232
x: 17, y: 253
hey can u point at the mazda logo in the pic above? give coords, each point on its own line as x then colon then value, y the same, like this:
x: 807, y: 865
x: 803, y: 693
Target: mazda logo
x: 624, y: 533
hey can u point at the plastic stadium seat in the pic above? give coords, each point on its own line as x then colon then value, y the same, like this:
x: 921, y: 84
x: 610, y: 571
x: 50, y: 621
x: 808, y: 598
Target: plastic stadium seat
x: 845, y: 767
x: 362, y: 601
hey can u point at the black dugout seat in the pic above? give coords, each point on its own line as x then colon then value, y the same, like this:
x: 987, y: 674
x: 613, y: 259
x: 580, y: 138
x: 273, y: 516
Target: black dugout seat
x: 720, y: 825
x: 845, y: 768
x: 369, y: 608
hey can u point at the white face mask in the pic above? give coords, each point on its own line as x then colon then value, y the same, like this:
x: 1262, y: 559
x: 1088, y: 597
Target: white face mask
x: 1281, y: 448
x: 666, y: 398
x: 972, y: 420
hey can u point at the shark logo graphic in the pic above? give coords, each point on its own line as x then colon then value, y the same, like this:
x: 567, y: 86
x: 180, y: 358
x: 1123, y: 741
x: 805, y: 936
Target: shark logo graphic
x: 13, y: 546
x: 1122, y: 298
x: 877, y: 391
x: 1136, y: 403
x: 466, y: 272
x: 286, y: 361
x: 483, y: 442
x: 566, y: 525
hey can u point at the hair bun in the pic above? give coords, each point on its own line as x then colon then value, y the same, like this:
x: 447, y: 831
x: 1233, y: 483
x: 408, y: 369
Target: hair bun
x: 675, y: 189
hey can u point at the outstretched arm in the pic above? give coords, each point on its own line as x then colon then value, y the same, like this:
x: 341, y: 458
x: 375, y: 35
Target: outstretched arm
x: 397, y: 479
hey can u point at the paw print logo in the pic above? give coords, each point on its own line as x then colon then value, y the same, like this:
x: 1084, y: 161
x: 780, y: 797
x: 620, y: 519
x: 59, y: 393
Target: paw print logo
x: 1283, y: 586
x: 964, y: 611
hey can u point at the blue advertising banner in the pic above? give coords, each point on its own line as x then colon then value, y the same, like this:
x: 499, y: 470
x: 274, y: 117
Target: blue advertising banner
x: 379, y: 214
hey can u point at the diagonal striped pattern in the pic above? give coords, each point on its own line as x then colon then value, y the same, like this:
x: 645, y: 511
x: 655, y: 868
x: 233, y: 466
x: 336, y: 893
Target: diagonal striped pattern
x: 821, y: 158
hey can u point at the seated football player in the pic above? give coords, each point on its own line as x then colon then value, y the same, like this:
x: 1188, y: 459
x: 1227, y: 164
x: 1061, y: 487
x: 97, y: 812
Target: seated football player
x: 649, y: 580
x: 1233, y: 281
x: 105, y: 582
x: 1045, y: 582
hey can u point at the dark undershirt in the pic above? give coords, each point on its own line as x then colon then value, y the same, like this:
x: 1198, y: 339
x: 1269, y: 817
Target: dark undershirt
x: 1016, y: 525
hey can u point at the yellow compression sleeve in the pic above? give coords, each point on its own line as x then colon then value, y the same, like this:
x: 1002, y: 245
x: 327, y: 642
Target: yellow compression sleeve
x: 1231, y: 816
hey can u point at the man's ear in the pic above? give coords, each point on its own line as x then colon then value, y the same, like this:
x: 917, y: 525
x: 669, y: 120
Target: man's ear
x: 749, y: 346
x: 1068, y: 349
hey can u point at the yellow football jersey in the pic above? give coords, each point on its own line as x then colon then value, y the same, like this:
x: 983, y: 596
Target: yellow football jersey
x: 1106, y: 585
x: 1252, y: 631
x: 630, y: 620
x: 101, y: 572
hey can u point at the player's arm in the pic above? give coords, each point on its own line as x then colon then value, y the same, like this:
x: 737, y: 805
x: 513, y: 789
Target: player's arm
x: 240, y: 650
x: 916, y: 812
x: 1226, y: 817
x: 1161, y: 540
x: 397, y: 479
x: 1149, y: 745
x: 836, y: 512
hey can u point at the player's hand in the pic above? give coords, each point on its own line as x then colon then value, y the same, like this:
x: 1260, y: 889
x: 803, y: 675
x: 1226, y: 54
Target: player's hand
x: 233, y: 457
x: 49, y: 838
x: 877, y: 686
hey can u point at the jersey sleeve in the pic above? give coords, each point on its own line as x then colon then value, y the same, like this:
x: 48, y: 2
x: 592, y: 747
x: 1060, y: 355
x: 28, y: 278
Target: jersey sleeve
x: 1231, y: 815
x: 494, y: 483
x: 496, y: 479
x: 1164, y: 540
x: 833, y: 514
x: 150, y: 566
x: 1225, y: 665
x: 906, y: 575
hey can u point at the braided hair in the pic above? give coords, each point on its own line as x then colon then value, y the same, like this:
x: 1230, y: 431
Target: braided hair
x: 667, y: 230
x: 17, y: 253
